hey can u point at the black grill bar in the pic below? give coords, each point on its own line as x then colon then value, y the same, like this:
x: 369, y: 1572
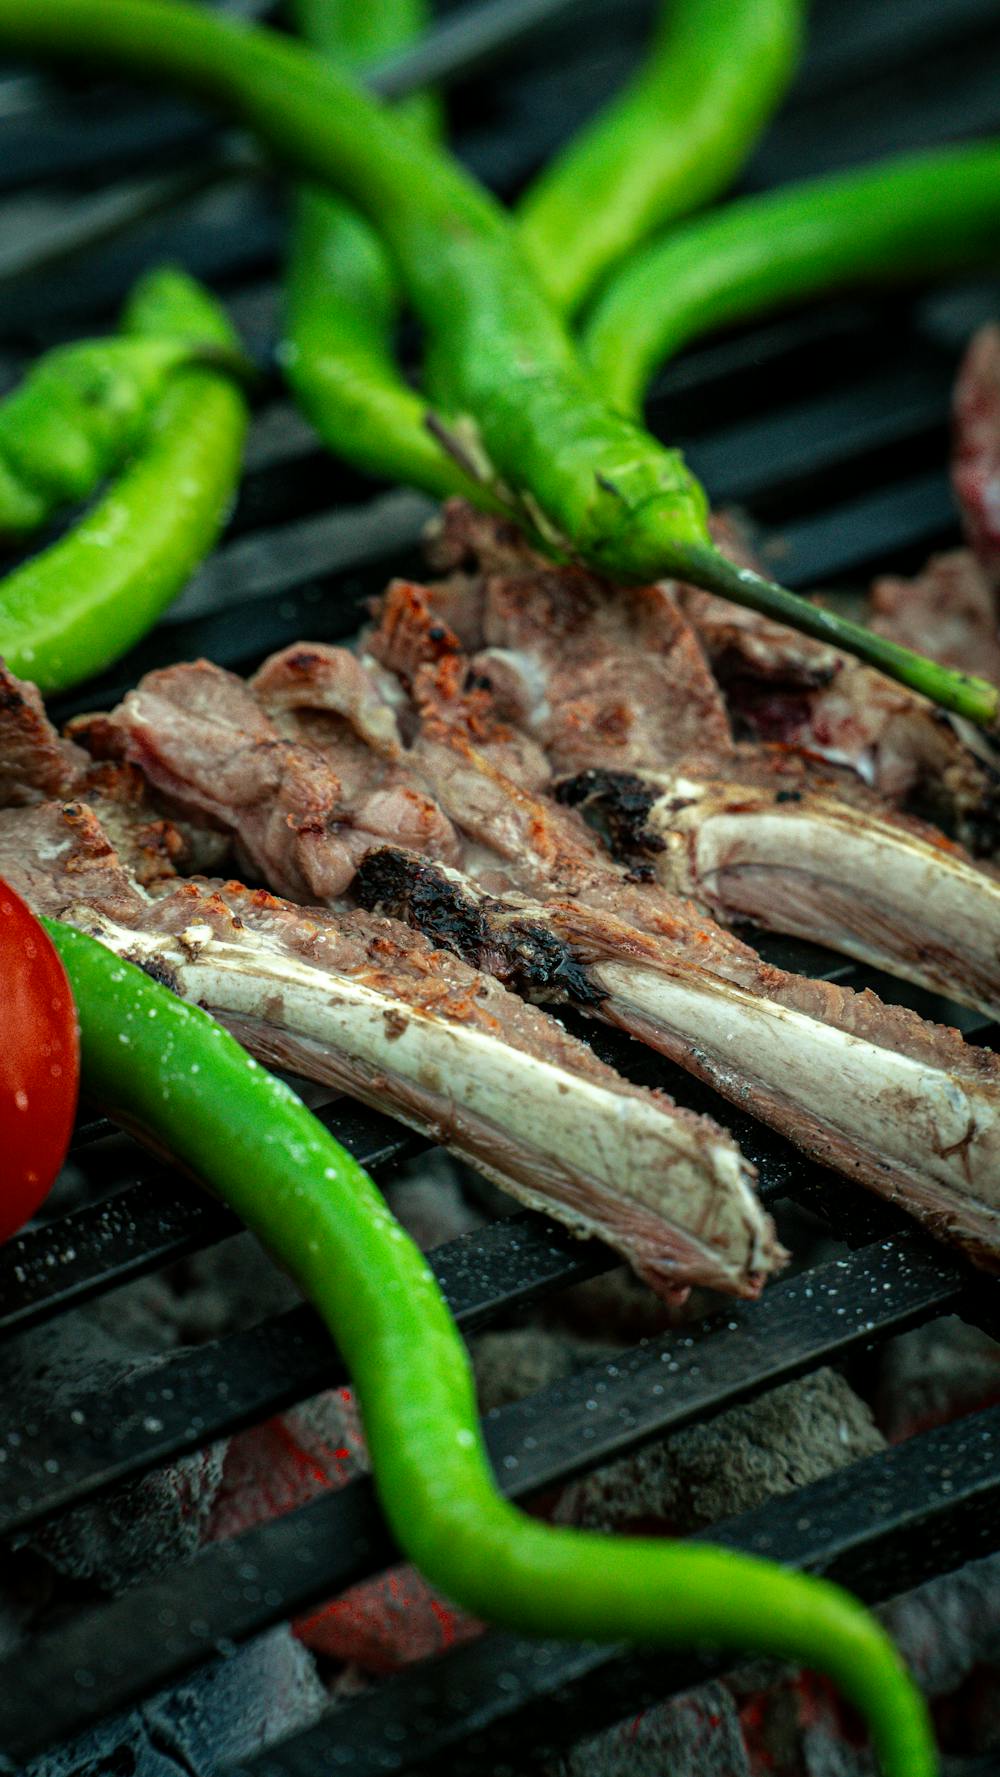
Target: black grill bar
x: 182, y: 1401
x: 834, y: 1311
x: 135, y: 1230
x: 878, y: 1526
x: 197, y: 1394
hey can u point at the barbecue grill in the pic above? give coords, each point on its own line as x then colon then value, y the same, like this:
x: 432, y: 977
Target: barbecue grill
x: 830, y: 428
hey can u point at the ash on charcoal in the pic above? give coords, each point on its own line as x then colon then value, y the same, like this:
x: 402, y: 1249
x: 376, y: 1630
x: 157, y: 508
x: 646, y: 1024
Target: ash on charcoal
x: 510, y: 1365
x: 949, y: 1626
x: 142, y: 1528
x: 789, y: 1437
x: 934, y: 1374
x: 227, y: 1712
x: 696, y: 1735
x: 428, y: 1198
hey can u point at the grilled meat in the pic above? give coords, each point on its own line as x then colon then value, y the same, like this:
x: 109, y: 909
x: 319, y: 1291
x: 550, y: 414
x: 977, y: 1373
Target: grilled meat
x: 34, y: 762
x: 776, y: 847
x: 362, y: 1003
x: 905, y: 1107
x: 948, y: 611
x: 976, y: 455
x: 780, y: 686
x: 612, y: 683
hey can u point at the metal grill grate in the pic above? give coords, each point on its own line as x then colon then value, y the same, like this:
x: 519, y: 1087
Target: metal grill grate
x: 831, y: 427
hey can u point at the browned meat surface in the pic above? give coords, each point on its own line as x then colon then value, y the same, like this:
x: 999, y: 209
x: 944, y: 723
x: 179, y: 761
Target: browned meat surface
x: 792, y: 691
x: 34, y: 762
x: 317, y: 689
x: 360, y: 1002
x: 57, y: 853
x: 907, y: 1109
x: 614, y: 684
x: 904, y: 1107
x: 778, y: 845
x: 205, y: 742
x: 976, y: 454
x: 779, y: 686
x: 948, y: 611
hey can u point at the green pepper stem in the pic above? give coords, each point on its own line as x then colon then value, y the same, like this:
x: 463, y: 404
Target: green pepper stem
x: 976, y: 699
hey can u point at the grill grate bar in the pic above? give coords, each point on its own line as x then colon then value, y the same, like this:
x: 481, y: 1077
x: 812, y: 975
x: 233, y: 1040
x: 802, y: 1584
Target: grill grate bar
x: 879, y: 1526
x: 821, y: 1317
x: 199, y: 1393
x: 62, y: 1263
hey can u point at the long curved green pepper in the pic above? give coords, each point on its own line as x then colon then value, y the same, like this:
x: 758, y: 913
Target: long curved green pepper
x: 169, y: 1070
x: 914, y: 216
x: 591, y: 482
x: 79, y: 412
x: 672, y: 140
x: 71, y: 610
x: 342, y: 293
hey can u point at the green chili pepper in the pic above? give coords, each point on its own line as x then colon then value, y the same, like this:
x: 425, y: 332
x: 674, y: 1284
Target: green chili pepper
x: 531, y: 417
x: 916, y: 216
x: 673, y: 139
x: 77, y: 606
x: 667, y: 144
x: 168, y: 1070
x: 342, y: 290
x: 74, y: 419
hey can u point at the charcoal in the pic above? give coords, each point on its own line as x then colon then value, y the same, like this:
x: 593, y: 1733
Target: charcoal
x: 933, y: 1374
x: 427, y: 1197
x: 272, y: 1468
x: 513, y: 1364
x: 697, y: 1734
x: 139, y: 1529
x: 227, y: 1712
x: 949, y: 1626
x: 785, y: 1439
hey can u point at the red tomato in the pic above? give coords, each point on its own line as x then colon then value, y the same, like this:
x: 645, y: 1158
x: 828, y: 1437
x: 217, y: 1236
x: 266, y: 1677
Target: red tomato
x: 39, y: 1063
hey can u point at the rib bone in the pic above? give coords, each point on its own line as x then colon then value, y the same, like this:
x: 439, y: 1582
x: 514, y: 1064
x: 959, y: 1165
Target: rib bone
x: 363, y: 1004
x: 794, y: 857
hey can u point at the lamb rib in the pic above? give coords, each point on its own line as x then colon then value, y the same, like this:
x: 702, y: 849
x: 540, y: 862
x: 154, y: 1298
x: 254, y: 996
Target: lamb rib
x: 779, y: 686
x: 361, y: 1003
x: 611, y: 683
x: 905, y: 1107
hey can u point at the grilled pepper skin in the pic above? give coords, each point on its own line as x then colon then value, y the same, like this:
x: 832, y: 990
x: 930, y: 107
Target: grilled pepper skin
x: 80, y: 604
x: 171, y: 1072
x: 915, y: 216
x: 670, y: 142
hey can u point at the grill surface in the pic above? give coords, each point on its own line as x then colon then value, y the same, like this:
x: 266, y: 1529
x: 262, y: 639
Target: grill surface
x: 831, y: 427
